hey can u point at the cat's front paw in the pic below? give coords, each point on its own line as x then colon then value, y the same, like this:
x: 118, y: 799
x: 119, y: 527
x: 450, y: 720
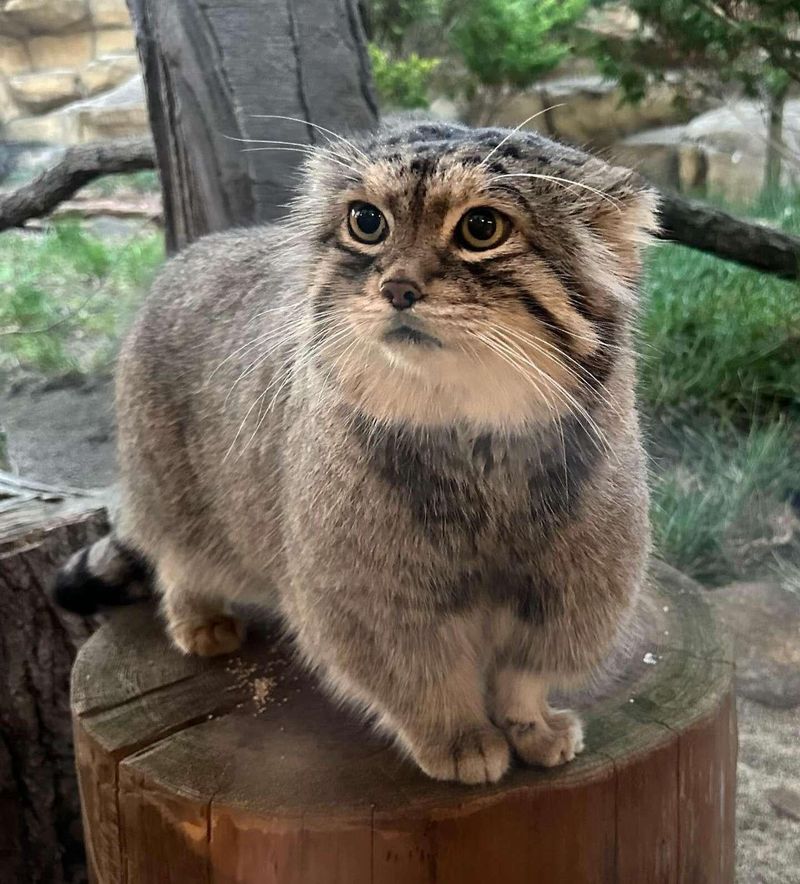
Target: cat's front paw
x: 208, y: 636
x: 477, y: 756
x: 553, y: 739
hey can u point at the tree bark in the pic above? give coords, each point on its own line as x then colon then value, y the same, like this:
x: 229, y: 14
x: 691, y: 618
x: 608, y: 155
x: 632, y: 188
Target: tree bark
x: 775, y: 144
x: 78, y: 166
x: 211, y: 67
x: 40, y: 828
x: 711, y: 230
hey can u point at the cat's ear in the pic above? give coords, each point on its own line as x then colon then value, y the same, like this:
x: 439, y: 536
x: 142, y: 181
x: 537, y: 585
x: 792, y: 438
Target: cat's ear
x: 625, y: 217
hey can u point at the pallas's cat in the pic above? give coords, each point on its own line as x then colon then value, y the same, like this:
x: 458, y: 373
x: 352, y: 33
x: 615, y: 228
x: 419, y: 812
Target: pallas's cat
x: 404, y: 418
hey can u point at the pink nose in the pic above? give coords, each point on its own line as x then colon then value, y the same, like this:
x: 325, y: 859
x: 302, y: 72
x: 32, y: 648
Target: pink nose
x: 401, y: 293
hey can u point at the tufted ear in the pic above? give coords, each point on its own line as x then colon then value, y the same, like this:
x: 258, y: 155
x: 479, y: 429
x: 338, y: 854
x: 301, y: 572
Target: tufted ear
x: 626, y: 218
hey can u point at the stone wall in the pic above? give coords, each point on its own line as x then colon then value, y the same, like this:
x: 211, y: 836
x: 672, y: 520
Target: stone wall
x: 68, y: 71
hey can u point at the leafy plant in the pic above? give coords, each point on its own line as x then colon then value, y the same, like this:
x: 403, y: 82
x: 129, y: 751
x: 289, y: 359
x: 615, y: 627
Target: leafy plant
x: 402, y: 82
x: 507, y: 44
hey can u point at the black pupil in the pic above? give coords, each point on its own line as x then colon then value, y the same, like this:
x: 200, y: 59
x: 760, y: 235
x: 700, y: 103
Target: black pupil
x: 368, y: 220
x: 481, y: 225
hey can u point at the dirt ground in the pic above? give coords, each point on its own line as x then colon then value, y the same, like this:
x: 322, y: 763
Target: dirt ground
x: 62, y: 432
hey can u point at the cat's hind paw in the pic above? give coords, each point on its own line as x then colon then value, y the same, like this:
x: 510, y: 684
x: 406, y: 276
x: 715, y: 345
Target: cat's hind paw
x: 208, y: 636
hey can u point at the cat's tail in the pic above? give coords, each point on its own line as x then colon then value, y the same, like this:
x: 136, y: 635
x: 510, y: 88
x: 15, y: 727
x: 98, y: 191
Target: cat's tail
x: 107, y: 573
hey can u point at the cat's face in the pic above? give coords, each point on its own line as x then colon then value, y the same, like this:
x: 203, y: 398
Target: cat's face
x: 475, y: 275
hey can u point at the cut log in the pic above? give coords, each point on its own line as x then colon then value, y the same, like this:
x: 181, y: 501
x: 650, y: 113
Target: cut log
x: 240, y: 770
x: 40, y: 835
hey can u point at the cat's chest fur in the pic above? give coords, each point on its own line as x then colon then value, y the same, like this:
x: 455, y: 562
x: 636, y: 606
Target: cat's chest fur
x: 481, y: 492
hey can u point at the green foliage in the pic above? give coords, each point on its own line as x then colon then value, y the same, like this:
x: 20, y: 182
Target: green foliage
x: 64, y: 295
x: 512, y: 42
x: 719, y: 338
x: 402, y: 82
x: 715, y: 478
x: 145, y: 181
x: 746, y: 42
x: 720, y: 385
x: 390, y: 21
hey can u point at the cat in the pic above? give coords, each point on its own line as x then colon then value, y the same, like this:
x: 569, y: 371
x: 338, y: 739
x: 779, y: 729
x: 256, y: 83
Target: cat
x: 405, y: 418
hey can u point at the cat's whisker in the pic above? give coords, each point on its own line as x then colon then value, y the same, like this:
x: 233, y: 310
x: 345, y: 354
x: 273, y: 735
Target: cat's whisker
x: 566, y: 397
x: 316, y: 126
x: 566, y: 183
x: 516, y: 129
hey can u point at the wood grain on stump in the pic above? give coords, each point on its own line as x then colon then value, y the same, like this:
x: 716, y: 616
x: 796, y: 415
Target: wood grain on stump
x: 40, y: 838
x: 240, y: 770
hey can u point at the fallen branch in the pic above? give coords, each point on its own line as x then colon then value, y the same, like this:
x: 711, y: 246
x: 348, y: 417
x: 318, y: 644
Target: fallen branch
x: 702, y: 227
x: 684, y: 221
x: 79, y: 165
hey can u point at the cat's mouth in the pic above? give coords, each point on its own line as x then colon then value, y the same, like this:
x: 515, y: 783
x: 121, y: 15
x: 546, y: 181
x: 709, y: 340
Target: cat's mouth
x: 406, y: 331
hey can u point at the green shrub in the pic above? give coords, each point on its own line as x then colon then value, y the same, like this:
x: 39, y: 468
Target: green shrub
x: 65, y: 294
x: 402, y: 82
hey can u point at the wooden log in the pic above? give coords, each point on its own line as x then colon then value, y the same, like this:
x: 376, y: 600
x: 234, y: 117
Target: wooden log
x: 240, y: 770
x: 40, y: 837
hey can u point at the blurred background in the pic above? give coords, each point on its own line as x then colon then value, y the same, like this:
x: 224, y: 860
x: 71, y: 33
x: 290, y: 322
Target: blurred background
x: 702, y: 97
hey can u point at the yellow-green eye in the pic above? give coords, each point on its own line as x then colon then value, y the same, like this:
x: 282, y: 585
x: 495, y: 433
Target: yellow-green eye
x: 366, y: 223
x: 482, y: 228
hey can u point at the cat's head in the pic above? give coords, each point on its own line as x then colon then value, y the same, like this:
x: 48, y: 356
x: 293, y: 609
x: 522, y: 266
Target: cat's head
x: 479, y: 275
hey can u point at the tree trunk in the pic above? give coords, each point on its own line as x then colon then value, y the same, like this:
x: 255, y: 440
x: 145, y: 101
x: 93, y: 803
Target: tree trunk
x: 775, y: 145
x: 211, y: 67
x: 40, y: 830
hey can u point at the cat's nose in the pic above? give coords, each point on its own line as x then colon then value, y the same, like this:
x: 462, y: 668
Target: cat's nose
x: 401, y: 293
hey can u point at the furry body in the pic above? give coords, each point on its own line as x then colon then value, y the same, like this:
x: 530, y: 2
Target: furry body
x: 446, y: 534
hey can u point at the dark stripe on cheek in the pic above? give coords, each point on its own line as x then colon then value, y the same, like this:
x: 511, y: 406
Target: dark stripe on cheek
x: 353, y: 260
x: 497, y: 280
x: 539, y: 312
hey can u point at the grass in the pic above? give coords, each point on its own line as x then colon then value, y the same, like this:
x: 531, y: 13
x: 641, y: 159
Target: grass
x: 65, y: 294
x: 720, y: 386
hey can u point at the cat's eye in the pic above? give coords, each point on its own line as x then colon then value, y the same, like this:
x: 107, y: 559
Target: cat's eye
x: 482, y: 228
x: 366, y: 223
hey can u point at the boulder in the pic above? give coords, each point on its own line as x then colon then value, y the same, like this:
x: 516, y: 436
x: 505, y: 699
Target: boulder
x: 764, y: 619
x: 25, y: 17
x: 64, y: 51
x: 53, y: 128
x: 115, y: 114
x: 107, y: 72
x: 39, y: 92
x: 110, y: 14
x: 115, y: 41
x: 588, y: 109
x: 14, y: 58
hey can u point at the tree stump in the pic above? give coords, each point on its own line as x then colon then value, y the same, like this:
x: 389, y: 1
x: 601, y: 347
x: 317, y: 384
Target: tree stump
x: 240, y: 770
x: 40, y: 838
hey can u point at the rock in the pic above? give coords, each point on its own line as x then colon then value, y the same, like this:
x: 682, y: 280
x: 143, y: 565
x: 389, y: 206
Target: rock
x: 107, y: 72
x: 764, y: 619
x: 9, y: 109
x: 23, y: 17
x: 110, y: 14
x: 64, y: 51
x: 53, y: 128
x: 655, y: 153
x: 115, y: 41
x: 588, y: 109
x: 41, y: 92
x: 114, y: 114
x: 785, y: 802
x: 13, y: 56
